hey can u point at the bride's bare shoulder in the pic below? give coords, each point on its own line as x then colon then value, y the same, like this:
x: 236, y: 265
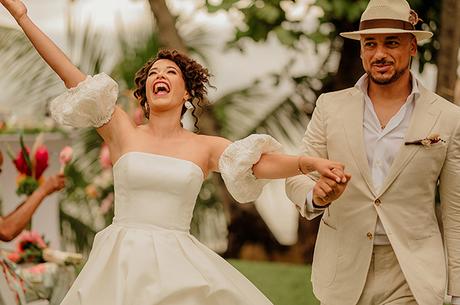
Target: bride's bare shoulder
x: 214, y: 142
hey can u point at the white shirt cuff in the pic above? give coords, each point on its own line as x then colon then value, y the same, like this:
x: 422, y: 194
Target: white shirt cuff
x: 455, y: 300
x: 309, y: 204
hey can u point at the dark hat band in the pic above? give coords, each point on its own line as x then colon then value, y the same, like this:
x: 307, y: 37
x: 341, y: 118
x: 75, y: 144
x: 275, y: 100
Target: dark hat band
x: 386, y: 23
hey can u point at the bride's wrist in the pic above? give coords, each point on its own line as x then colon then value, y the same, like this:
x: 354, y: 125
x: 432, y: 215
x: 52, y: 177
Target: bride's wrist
x: 305, y: 164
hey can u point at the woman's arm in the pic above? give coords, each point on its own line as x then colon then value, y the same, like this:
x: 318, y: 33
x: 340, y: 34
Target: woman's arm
x: 278, y: 166
x: 55, y: 58
x: 13, y: 224
x: 119, y: 123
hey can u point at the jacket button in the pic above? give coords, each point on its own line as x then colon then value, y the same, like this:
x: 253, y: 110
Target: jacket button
x: 377, y: 202
x: 369, y: 235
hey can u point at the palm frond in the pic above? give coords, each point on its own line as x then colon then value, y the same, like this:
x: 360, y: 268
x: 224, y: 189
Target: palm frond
x: 27, y: 83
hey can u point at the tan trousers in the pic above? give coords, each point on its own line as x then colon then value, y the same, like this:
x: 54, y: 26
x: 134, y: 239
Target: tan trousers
x: 385, y: 283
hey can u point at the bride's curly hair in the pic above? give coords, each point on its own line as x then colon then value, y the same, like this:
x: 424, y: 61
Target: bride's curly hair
x: 196, y: 78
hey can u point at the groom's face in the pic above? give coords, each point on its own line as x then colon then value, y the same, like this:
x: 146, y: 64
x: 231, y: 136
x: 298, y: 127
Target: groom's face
x: 386, y: 57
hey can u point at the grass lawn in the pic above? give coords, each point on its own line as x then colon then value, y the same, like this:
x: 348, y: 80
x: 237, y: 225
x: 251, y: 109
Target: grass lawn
x: 283, y: 284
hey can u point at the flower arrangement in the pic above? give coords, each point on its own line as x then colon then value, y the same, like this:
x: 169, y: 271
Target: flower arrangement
x: 30, y: 247
x: 30, y: 164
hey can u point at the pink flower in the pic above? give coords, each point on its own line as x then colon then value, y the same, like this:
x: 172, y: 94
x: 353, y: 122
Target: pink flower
x: 104, y: 157
x: 65, y: 156
x: 14, y: 257
x: 41, y: 161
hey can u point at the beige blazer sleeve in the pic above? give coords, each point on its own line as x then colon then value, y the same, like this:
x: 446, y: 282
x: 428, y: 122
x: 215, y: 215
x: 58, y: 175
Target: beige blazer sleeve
x: 449, y: 188
x: 313, y: 144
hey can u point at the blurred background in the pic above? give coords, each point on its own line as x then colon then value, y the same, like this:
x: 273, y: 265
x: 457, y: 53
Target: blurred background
x: 270, y: 60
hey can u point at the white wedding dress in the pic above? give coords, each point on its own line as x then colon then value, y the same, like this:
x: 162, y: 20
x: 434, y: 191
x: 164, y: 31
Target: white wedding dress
x: 147, y: 255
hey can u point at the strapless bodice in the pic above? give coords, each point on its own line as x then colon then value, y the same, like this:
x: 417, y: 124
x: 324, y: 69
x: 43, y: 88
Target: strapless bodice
x: 155, y: 190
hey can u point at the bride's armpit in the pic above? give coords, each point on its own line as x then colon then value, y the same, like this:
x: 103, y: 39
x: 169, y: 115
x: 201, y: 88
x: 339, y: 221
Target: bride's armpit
x: 118, y: 129
x: 217, y: 146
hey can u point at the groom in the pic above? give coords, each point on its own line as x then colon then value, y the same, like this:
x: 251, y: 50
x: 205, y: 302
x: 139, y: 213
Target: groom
x: 379, y: 243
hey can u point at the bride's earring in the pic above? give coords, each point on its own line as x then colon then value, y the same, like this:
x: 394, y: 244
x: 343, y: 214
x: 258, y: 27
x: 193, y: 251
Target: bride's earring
x: 188, y: 105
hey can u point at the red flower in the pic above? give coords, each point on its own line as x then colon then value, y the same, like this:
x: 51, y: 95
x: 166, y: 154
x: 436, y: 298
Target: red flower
x: 41, y: 161
x: 21, y: 164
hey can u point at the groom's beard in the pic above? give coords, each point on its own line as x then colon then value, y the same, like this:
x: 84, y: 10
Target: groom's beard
x: 386, y: 81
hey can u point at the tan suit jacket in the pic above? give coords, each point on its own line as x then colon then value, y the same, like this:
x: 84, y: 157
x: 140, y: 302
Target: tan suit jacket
x: 405, y: 203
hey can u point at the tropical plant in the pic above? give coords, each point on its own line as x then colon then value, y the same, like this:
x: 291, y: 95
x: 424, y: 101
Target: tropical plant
x: 27, y: 83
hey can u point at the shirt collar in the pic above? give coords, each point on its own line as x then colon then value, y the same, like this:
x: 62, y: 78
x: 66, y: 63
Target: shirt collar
x: 363, y: 82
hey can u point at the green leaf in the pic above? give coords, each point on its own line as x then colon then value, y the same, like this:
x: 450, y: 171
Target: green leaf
x: 286, y: 37
x: 268, y: 13
x: 24, y: 152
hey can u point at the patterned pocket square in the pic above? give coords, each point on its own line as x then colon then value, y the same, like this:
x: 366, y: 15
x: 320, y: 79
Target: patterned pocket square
x: 428, y: 141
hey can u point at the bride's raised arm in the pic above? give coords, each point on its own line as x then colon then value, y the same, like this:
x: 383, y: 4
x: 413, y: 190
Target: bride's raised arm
x: 90, y: 101
x: 51, y: 53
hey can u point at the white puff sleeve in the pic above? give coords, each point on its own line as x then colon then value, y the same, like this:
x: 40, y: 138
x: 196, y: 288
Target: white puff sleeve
x: 235, y: 165
x: 90, y: 104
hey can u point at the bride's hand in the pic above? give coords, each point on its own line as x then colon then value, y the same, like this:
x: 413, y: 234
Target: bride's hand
x: 331, y: 169
x: 16, y: 8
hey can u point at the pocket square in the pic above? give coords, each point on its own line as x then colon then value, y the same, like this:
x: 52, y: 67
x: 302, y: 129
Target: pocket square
x: 428, y: 141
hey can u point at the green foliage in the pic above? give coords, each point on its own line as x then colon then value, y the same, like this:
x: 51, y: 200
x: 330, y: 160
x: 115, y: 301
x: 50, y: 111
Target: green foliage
x: 27, y: 186
x: 261, y: 18
x: 135, y: 55
x: 28, y: 83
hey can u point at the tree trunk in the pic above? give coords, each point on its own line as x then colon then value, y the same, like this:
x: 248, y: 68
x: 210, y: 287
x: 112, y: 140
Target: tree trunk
x: 449, y: 39
x: 169, y: 37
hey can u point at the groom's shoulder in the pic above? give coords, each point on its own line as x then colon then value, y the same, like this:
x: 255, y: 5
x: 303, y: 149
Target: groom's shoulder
x: 442, y: 104
x: 343, y: 92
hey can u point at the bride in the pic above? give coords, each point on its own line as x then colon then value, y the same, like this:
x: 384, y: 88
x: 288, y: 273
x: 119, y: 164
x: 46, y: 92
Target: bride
x: 147, y: 255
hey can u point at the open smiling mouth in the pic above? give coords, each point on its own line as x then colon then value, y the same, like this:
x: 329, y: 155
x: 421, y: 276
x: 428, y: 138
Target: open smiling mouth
x: 161, y: 88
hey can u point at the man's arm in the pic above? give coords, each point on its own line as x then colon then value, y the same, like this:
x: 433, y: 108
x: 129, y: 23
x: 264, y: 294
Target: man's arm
x: 449, y: 188
x: 13, y: 224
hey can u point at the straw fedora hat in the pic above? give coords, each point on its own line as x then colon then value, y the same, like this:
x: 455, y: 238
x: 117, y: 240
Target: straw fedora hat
x: 387, y: 17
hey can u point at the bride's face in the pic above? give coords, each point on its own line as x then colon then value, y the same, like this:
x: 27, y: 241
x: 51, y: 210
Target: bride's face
x: 165, y: 86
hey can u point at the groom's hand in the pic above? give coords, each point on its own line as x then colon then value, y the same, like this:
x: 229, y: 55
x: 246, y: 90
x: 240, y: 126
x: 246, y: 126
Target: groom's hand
x: 327, y: 190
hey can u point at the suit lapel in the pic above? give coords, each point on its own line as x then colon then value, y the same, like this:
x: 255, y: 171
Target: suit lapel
x: 353, y: 126
x: 423, y: 119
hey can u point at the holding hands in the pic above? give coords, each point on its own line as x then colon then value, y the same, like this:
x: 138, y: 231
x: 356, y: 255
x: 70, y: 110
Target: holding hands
x: 330, y: 169
x: 327, y: 190
x: 332, y: 182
